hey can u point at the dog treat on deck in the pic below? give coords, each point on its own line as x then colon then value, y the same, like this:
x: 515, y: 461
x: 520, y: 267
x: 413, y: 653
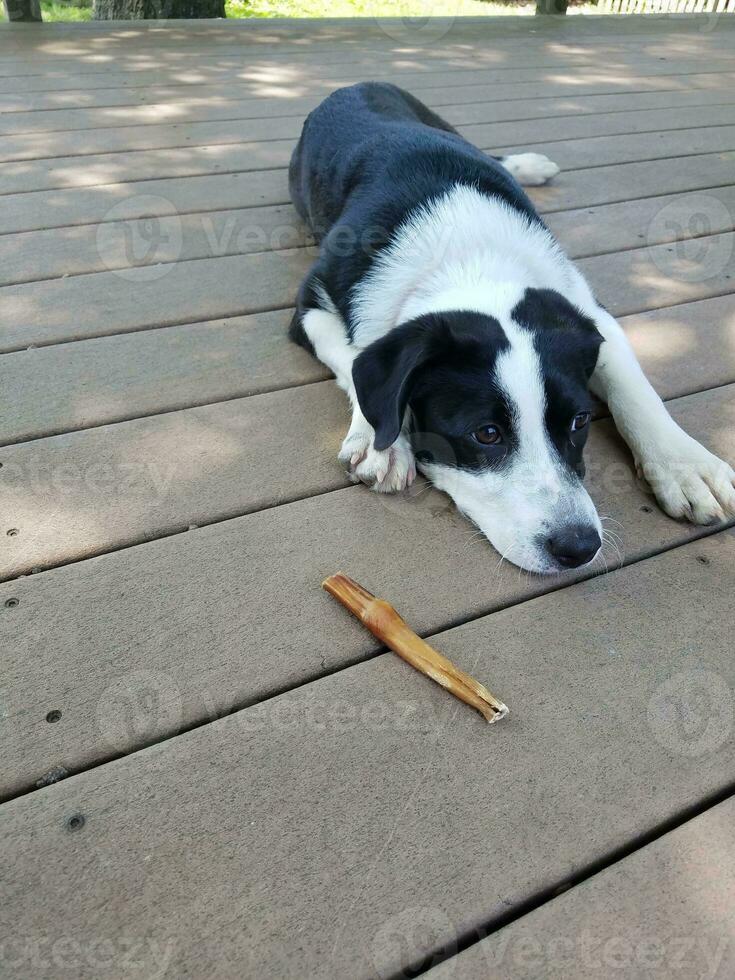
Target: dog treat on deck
x: 384, y: 622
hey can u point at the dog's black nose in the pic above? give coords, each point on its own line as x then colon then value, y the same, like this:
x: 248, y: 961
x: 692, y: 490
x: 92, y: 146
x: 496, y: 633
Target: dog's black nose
x: 574, y: 546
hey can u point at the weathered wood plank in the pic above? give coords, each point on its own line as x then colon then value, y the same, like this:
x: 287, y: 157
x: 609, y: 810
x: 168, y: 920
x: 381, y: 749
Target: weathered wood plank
x: 183, y: 292
x: 655, y: 220
x: 79, y: 249
x: 662, y: 275
x: 663, y: 907
x: 279, y: 103
x: 133, y: 375
x: 373, y: 790
x: 71, y: 386
x: 224, y: 107
x: 109, y: 168
x: 92, y: 55
x: 82, y: 205
x: 604, y: 150
x: 92, y: 142
x: 104, y: 303
x: 154, y: 476
x: 579, y: 188
x: 247, y: 587
x: 307, y: 32
x: 225, y: 61
x: 623, y: 182
x: 280, y: 77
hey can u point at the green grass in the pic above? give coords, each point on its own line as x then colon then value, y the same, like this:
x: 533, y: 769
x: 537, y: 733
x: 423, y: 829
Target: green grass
x: 372, y: 8
x: 77, y: 10
x: 63, y: 10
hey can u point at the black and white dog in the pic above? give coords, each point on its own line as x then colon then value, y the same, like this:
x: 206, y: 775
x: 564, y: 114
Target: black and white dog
x: 465, y: 338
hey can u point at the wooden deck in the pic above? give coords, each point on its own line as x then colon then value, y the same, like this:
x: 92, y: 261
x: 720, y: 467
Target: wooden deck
x: 209, y: 770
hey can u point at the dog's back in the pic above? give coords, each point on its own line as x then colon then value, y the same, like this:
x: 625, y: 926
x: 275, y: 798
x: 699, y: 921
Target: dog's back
x: 369, y: 157
x: 378, y: 152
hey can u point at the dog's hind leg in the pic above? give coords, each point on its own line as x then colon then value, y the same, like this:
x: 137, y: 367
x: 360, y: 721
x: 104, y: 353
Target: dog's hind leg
x: 529, y: 169
x: 388, y: 470
x: 688, y: 480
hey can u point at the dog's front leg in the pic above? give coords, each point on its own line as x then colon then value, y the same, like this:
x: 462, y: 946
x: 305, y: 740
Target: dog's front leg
x: 388, y: 471
x: 687, y: 479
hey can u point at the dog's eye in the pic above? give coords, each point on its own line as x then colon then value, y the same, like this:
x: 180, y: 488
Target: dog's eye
x: 488, y: 435
x: 580, y: 421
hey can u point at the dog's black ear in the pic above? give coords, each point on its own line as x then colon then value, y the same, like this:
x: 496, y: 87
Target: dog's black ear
x: 385, y: 372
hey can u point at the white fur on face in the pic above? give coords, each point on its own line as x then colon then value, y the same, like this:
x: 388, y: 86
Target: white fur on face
x: 520, y: 506
x: 466, y: 251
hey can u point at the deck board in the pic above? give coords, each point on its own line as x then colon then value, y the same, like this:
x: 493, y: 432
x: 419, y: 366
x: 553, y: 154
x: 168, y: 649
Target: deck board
x: 78, y: 249
x: 482, y: 107
x: 321, y: 828
x: 168, y: 460
x: 479, y: 129
x: 322, y: 82
x: 133, y: 375
x: 108, y: 168
x: 189, y: 195
x: 178, y: 96
x: 100, y: 303
x: 247, y: 587
x: 617, y: 920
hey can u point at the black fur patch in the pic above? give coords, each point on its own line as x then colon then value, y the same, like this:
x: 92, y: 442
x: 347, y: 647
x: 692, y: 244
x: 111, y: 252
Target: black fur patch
x: 442, y: 365
x: 368, y: 156
x: 568, y: 345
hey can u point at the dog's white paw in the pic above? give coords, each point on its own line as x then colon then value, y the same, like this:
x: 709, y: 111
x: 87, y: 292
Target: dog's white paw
x: 690, y: 482
x: 531, y: 169
x: 387, y: 471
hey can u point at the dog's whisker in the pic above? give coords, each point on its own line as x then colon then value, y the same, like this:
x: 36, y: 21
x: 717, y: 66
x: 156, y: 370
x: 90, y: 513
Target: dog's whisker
x: 606, y: 540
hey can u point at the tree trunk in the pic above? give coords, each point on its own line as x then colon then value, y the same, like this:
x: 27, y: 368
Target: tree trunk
x: 551, y: 6
x: 23, y: 9
x: 157, y: 9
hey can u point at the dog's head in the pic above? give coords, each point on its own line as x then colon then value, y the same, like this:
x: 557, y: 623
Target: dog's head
x: 500, y: 414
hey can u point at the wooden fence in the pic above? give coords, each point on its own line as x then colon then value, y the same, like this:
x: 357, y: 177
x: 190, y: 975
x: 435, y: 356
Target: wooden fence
x: 665, y: 6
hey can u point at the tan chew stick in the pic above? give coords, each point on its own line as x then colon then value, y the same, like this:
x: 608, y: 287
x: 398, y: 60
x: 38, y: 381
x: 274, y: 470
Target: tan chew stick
x: 384, y: 622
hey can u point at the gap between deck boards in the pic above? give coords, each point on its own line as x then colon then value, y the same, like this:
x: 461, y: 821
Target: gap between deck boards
x: 475, y: 936
x: 217, y: 233
x: 317, y: 677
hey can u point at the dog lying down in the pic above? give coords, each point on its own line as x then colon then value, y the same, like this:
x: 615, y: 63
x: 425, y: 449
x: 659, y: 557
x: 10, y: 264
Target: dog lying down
x: 467, y: 342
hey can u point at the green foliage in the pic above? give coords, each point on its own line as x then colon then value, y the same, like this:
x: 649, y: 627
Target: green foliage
x: 66, y: 10
x: 374, y: 8
x: 70, y: 10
